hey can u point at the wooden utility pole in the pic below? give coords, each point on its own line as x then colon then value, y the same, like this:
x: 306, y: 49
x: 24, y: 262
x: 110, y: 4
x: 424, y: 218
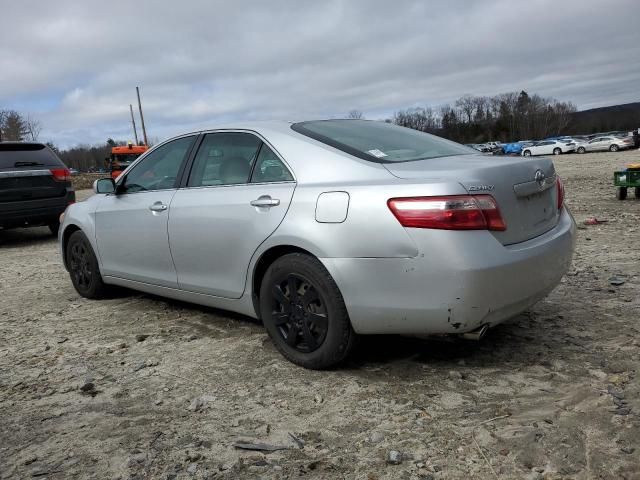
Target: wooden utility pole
x: 144, y: 131
x: 133, y: 122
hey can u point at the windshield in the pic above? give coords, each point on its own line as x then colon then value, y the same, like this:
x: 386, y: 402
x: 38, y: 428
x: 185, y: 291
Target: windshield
x: 380, y: 141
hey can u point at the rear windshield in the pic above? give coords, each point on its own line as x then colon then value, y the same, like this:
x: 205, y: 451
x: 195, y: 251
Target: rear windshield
x: 380, y: 141
x: 18, y: 155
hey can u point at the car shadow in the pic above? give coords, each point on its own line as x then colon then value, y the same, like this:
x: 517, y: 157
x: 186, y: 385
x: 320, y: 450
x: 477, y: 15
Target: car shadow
x: 24, y: 237
x: 519, y: 341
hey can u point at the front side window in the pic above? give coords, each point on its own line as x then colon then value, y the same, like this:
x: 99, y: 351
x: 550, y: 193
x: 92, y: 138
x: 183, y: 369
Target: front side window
x: 269, y: 168
x: 159, y: 169
x: 224, y: 159
x: 380, y: 142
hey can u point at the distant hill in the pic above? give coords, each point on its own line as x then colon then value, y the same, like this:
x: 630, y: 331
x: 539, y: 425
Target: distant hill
x: 604, y: 119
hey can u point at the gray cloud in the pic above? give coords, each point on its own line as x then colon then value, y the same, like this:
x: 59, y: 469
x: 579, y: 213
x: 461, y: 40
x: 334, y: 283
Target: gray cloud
x: 75, y: 64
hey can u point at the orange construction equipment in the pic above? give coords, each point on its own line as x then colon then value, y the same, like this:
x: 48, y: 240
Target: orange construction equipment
x: 123, y: 156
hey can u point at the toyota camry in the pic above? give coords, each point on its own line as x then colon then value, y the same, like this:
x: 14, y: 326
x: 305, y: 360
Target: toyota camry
x: 326, y: 230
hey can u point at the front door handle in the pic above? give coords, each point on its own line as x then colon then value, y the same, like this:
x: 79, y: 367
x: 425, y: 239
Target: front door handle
x: 158, y: 207
x: 265, y: 201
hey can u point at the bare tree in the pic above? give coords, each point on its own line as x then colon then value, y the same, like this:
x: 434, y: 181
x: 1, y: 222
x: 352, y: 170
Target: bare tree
x: 355, y: 114
x: 423, y: 119
x: 3, y: 117
x: 466, y: 104
x: 33, y: 128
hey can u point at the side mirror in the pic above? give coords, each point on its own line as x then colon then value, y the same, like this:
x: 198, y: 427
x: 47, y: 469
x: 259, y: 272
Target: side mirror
x: 104, y: 185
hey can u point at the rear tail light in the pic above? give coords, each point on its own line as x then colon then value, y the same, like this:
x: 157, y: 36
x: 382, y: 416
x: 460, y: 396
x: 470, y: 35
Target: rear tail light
x: 61, y: 174
x: 455, y: 212
x: 560, y: 189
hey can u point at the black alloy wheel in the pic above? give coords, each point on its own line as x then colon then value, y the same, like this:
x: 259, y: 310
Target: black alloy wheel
x: 299, y: 313
x: 79, y: 265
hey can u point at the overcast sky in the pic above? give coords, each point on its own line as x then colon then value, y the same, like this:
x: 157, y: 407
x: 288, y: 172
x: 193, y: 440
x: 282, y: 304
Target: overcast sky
x: 75, y: 64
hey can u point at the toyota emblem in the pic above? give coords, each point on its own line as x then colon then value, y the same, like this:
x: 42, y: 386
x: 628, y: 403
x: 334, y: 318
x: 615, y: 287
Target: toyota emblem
x: 540, y: 178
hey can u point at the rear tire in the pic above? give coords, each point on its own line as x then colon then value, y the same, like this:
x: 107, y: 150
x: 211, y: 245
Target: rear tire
x: 83, y: 267
x: 621, y: 193
x: 527, y: 153
x: 54, y: 227
x: 636, y: 192
x: 557, y: 151
x: 614, y: 148
x: 581, y: 150
x: 304, y: 312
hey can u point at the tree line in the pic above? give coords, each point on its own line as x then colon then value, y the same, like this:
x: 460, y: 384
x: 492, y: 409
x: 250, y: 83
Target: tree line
x: 506, y: 117
x: 88, y: 157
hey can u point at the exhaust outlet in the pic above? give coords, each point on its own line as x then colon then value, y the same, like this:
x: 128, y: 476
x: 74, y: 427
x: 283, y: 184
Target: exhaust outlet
x: 476, y: 334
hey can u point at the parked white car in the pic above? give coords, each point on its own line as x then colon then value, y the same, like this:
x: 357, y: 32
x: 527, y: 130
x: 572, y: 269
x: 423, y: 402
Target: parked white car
x: 602, y: 144
x: 548, y: 147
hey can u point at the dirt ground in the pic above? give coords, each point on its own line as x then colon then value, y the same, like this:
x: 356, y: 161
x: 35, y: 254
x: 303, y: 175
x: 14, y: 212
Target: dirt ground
x: 141, y: 387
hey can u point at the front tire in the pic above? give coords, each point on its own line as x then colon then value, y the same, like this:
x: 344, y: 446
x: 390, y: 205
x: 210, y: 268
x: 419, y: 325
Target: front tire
x: 527, y: 153
x: 557, y: 151
x: 621, y: 193
x: 304, y: 312
x: 83, y: 267
x: 581, y: 150
x: 614, y: 148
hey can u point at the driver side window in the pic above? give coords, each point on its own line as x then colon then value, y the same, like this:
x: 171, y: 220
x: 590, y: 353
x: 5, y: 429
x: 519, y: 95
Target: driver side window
x: 158, y: 170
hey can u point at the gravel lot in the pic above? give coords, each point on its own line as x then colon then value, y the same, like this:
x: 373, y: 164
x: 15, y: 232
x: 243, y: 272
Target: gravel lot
x: 141, y: 387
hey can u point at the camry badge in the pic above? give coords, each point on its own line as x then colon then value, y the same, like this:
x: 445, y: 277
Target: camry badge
x: 481, y: 188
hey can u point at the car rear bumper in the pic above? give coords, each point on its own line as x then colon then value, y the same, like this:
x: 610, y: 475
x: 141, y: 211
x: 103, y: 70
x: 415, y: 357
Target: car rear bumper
x: 34, y: 212
x: 458, y: 282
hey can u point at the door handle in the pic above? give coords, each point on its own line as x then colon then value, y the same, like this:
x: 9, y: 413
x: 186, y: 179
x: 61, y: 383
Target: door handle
x: 265, y: 201
x: 158, y: 207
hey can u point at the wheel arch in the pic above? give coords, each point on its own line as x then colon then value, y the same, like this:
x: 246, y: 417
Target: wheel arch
x: 262, y: 264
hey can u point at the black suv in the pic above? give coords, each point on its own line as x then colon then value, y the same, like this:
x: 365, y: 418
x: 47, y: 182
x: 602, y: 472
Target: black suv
x: 35, y: 186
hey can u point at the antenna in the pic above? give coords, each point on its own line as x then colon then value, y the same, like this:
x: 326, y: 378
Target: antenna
x: 144, y: 131
x: 133, y: 122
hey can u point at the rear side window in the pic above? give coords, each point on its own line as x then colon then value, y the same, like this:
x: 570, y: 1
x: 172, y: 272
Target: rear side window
x: 269, y: 168
x: 16, y: 155
x: 380, y: 142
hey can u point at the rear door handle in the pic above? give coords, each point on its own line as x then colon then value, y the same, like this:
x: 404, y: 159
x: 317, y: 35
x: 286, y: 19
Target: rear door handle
x: 158, y: 207
x: 265, y: 201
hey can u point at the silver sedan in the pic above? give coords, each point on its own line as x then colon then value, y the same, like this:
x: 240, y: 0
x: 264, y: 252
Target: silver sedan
x: 604, y: 143
x: 327, y: 229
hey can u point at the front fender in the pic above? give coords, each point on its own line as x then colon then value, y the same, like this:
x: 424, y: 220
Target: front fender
x: 80, y: 215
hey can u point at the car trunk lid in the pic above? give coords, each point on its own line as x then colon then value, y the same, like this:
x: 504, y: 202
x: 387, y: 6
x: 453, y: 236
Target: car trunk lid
x: 524, y: 188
